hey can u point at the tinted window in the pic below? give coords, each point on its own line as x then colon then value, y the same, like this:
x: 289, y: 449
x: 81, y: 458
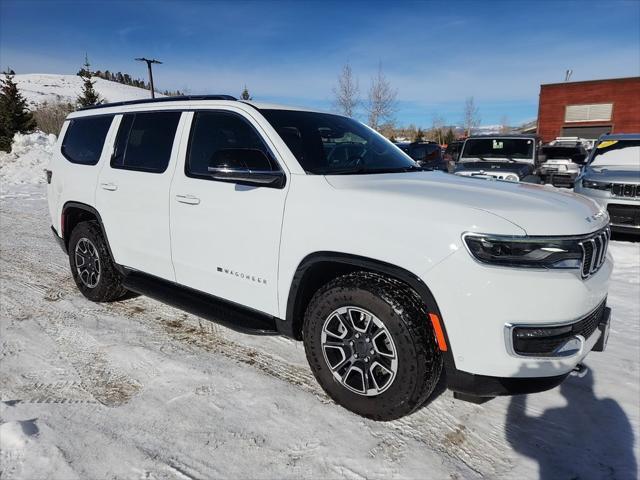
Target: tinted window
x: 225, y: 137
x: 145, y: 140
x: 425, y: 153
x: 328, y: 144
x: 84, y: 139
x: 498, y: 148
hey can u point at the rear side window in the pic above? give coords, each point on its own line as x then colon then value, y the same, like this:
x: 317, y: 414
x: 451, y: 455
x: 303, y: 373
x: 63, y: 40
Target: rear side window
x: 145, y: 141
x: 214, y: 133
x: 84, y: 139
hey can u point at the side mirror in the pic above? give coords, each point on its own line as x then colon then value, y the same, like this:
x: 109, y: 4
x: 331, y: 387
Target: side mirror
x: 245, y: 165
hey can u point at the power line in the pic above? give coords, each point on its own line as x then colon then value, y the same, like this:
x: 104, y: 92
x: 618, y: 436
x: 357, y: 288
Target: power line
x: 149, y: 62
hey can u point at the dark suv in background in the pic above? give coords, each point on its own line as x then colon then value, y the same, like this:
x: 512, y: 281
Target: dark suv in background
x: 427, y: 154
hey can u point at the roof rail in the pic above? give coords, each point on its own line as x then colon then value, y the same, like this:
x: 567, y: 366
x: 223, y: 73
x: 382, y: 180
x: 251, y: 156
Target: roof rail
x: 162, y: 99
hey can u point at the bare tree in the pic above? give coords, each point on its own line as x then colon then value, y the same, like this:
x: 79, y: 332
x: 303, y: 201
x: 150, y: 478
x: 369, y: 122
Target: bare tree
x: 347, y: 92
x: 471, y: 115
x: 504, y: 124
x: 49, y: 117
x: 381, y: 101
x: 437, y: 128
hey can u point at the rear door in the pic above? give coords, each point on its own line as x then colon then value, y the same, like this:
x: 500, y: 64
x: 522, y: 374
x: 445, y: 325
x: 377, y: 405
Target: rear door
x: 225, y: 235
x: 132, y: 194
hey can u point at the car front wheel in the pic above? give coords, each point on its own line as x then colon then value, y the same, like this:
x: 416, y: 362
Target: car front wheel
x: 370, y: 345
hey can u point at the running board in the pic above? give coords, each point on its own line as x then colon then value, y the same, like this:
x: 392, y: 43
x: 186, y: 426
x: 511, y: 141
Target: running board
x: 209, y: 307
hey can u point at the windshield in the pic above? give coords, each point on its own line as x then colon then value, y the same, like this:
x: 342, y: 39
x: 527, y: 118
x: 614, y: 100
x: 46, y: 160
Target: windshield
x: 511, y: 148
x: 575, y: 153
x: 617, y: 153
x: 326, y: 144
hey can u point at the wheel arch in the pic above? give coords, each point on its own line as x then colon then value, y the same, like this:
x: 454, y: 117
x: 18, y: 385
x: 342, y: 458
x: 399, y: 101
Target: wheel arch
x: 75, y: 212
x: 318, y: 268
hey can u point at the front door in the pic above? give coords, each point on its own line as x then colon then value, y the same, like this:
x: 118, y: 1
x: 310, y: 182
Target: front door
x: 132, y: 194
x: 225, y: 236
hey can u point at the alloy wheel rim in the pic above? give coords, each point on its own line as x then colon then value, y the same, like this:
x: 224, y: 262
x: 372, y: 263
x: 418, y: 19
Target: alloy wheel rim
x: 359, y: 350
x: 87, y: 262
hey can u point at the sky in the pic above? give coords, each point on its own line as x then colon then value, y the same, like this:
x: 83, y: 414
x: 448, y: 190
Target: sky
x: 435, y: 54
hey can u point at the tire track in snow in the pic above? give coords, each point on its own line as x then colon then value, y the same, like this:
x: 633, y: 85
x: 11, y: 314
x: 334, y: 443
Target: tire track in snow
x: 61, y: 313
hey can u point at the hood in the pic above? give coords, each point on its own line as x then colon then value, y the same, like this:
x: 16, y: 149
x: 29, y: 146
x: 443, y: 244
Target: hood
x: 613, y: 174
x: 496, y: 160
x: 504, y: 166
x: 536, y: 209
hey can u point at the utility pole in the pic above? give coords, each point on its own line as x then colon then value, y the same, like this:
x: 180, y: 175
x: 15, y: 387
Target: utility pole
x: 149, y: 62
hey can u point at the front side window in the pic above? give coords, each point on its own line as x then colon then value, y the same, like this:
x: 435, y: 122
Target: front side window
x: 224, y: 139
x: 84, y: 139
x: 617, y: 153
x: 145, y: 141
x: 509, y: 148
x: 326, y: 144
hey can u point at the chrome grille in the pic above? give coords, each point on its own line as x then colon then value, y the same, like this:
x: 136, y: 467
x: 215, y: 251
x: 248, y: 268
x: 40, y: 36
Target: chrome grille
x: 594, y: 251
x: 625, y: 190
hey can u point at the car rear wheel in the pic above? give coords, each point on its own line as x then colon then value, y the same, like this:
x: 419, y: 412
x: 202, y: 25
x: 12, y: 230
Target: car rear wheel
x: 370, y: 345
x: 91, y: 265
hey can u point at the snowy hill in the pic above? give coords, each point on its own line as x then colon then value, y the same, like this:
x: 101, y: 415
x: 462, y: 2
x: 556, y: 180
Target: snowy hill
x: 38, y: 88
x: 486, y: 130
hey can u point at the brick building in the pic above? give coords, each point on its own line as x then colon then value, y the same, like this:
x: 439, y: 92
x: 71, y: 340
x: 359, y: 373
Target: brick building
x: 589, y: 109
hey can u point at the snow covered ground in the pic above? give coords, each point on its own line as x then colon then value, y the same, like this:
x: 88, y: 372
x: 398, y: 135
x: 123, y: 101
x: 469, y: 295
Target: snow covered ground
x: 137, y: 389
x: 38, y: 88
x: 28, y: 159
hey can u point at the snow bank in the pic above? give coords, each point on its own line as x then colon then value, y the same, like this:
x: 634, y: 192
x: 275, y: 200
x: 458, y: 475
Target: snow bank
x: 28, y: 158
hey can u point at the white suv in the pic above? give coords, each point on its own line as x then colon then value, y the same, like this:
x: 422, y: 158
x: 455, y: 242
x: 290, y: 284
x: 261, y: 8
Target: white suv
x: 279, y: 220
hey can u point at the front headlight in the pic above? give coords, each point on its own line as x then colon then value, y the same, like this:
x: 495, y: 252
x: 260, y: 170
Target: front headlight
x: 524, y: 252
x: 596, y: 185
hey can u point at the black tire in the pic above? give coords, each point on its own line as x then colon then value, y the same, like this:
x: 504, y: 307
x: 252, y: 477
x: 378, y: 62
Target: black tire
x: 108, y: 286
x: 401, y: 310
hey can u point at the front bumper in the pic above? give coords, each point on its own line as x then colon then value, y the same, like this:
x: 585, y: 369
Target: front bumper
x: 487, y: 386
x: 488, y: 300
x: 558, y: 179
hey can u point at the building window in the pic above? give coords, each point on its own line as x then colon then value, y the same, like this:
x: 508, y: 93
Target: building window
x: 595, y: 112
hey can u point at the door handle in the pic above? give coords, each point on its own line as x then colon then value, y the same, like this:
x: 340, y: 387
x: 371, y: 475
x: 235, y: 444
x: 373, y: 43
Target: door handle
x: 112, y: 187
x: 188, y: 199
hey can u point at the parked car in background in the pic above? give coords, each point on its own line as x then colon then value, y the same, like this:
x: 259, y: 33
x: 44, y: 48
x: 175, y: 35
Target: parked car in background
x: 404, y: 146
x: 513, y: 158
x: 561, y: 160
x: 452, y: 152
x: 612, y: 178
x: 427, y: 154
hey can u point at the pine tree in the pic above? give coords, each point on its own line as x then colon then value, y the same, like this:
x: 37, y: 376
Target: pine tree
x: 14, y: 115
x: 245, y: 94
x: 449, y: 136
x: 89, y: 96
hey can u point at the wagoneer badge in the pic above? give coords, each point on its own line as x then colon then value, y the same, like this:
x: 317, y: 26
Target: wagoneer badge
x: 244, y: 276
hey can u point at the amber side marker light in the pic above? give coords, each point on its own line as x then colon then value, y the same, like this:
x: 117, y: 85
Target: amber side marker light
x: 435, y: 321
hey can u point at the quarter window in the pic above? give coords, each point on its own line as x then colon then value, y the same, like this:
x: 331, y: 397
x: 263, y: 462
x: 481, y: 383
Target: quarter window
x: 145, y: 141
x: 223, y: 136
x: 84, y: 139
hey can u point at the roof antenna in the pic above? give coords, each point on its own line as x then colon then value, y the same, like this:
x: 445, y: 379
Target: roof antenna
x: 567, y: 75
